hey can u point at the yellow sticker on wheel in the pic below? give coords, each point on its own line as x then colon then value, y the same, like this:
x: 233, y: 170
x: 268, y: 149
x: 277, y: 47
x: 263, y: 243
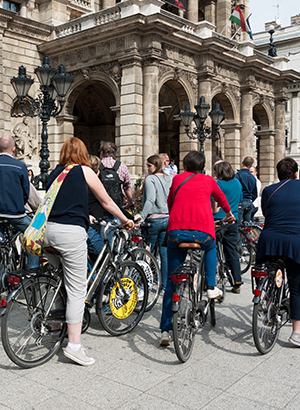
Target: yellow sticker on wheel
x: 279, y: 278
x: 122, y: 305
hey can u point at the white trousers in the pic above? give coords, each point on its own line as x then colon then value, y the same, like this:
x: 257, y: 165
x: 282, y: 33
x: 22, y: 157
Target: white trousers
x: 70, y: 242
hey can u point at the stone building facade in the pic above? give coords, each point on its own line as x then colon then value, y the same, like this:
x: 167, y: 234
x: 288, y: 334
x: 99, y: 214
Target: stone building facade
x: 286, y: 40
x: 136, y: 63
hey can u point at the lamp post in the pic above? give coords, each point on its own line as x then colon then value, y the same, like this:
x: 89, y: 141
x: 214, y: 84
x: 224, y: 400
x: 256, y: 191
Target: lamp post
x: 54, y: 85
x: 200, y: 132
x: 272, y: 52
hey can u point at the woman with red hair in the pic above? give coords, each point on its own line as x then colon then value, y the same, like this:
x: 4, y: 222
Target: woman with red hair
x: 66, y: 231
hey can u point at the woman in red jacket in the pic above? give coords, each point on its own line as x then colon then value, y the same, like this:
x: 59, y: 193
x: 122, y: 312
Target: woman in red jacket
x: 191, y: 220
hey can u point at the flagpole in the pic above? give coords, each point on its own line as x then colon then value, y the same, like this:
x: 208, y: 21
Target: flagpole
x: 225, y: 26
x: 235, y: 33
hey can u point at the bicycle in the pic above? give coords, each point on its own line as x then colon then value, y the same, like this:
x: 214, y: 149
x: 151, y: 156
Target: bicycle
x: 190, y: 308
x: 33, y: 325
x: 10, y: 257
x: 223, y: 274
x: 271, y: 309
x: 249, y: 233
x: 125, y: 247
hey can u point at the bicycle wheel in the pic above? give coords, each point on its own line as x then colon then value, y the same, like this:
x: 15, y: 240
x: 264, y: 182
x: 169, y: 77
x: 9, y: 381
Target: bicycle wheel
x: 150, y: 267
x: 245, y: 252
x: 265, y: 325
x: 221, y: 280
x: 29, y: 339
x: 183, y: 329
x: 122, y: 298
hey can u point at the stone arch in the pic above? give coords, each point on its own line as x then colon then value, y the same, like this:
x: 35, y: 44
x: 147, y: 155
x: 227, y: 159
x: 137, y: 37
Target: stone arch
x: 93, y: 104
x: 228, y: 103
x: 174, y: 92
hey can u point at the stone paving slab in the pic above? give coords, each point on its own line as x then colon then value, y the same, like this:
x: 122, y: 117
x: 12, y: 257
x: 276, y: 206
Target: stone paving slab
x: 133, y: 372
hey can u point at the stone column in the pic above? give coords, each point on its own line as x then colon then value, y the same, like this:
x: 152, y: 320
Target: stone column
x: 204, y: 89
x: 131, y: 116
x: 210, y: 11
x: 266, y: 163
x: 223, y: 14
x: 247, y: 132
x: 59, y: 130
x: 294, y: 142
x: 192, y: 10
x: 150, y: 108
x: 185, y: 145
x: 232, y: 146
x: 108, y: 3
x: 2, y: 111
x: 280, y: 130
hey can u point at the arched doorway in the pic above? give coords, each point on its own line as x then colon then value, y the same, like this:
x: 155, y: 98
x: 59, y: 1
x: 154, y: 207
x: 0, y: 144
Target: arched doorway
x: 261, y: 127
x: 95, y: 120
x: 172, y: 98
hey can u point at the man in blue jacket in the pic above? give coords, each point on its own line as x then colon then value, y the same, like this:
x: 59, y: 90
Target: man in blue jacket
x: 14, y: 191
x: 248, y: 182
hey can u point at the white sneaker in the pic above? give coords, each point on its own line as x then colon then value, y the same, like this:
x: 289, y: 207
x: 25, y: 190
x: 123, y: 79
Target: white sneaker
x: 165, y: 339
x: 79, y: 357
x: 214, y: 293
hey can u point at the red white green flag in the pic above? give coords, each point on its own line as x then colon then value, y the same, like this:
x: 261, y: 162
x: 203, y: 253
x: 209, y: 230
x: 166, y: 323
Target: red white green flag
x: 238, y: 18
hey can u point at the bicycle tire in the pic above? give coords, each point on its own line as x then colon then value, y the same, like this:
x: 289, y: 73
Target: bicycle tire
x: 123, y: 312
x: 265, y: 327
x: 183, y: 330
x: 26, y: 336
x: 221, y: 280
x: 149, y: 264
x: 212, y: 312
x: 245, y: 252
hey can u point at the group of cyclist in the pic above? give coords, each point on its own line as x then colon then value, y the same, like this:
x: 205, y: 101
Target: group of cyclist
x: 181, y: 205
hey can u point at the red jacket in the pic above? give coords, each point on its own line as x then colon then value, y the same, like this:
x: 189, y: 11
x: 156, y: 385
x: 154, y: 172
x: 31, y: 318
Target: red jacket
x: 191, y: 208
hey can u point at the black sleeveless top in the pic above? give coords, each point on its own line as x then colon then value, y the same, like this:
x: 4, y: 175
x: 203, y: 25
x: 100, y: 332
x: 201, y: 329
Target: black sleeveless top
x: 71, y: 204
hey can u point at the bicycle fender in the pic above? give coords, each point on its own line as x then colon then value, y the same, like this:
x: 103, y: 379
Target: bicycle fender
x: 256, y: 300
x: 175, y: 306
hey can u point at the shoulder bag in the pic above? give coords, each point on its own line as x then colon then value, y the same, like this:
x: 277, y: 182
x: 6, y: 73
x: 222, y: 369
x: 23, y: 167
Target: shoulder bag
x: 34, y: 235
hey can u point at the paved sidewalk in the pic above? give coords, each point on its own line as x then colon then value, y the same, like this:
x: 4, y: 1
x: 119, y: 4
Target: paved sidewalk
x: 133, y: 372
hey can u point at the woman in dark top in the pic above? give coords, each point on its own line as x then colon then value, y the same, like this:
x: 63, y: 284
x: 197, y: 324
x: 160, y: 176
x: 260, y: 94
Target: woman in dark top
x: 66, y: 231
x: 281, y: 234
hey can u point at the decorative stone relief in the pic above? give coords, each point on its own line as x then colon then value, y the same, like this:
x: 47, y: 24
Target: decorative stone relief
x: 26, y: 146
x: 225, y: 71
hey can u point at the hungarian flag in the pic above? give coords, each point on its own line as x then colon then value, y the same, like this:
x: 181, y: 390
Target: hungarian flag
x: 238, y: 18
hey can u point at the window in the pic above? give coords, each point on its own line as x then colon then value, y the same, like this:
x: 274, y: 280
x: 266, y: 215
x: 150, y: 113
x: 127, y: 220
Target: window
x: 9, y: 5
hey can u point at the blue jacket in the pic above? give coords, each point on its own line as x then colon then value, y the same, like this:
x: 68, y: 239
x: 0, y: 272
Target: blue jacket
x: 248, y: 182
x: 14, y: 187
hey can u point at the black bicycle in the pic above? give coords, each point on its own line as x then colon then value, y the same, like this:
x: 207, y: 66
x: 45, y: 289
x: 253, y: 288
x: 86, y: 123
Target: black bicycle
x: 189, y: 304
x: 33, y: 325
x: 271, y: 309
x: 223, y: 273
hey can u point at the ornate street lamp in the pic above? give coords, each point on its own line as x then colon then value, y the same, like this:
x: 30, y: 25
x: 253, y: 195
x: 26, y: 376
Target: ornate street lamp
x: 54, y: 86
x: 272, y: 48
x: 200, y: 132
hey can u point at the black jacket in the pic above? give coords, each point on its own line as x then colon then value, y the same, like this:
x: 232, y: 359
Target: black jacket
x: 14, y: 187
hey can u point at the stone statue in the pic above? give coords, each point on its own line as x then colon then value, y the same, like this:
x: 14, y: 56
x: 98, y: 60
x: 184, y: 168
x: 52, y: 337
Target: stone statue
x: 24, y: 144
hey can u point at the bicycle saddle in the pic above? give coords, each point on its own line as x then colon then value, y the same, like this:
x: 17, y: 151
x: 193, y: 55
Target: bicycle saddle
x: 189, y: 245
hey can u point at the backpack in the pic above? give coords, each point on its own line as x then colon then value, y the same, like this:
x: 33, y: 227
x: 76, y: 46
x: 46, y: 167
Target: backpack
x: 112, y: 183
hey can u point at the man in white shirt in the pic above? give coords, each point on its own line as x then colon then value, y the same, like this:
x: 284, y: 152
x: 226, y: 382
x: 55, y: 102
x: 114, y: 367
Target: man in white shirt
x: 256, y: 203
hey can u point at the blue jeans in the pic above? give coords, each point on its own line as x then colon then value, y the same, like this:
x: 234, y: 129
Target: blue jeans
x: 157, y: 232
x: 177, y: 256
x: 21, y: 224
x: 245, y: 211
x: 95, y: 242
x: 110, y: 233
